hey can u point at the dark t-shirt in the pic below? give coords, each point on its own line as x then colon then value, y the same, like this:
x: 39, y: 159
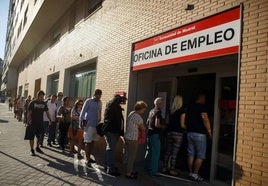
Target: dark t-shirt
x: 175, y: 121
x: 154, y: 113
x: 194, y: 119
x: 37, y: 107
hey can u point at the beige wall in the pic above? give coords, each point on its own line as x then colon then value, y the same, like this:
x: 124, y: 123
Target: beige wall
x: 109, y: 33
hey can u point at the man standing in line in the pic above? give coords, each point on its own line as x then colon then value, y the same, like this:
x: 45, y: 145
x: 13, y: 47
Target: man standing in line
x: 26, y: 105
x: 114, y: 120
x: 59, y: 103
x: 89, y: 118
x: 35, y: 119
x: 198, y: 126
x: 52, y: 109
x: 21, y: 103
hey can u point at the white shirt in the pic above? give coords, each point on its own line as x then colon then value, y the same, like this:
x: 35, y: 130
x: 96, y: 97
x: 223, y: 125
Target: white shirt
x: 134, y: 120
x: 52, y: 109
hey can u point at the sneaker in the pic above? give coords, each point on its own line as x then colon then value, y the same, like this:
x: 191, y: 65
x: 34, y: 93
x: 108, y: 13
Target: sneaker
x: 32, y: 152
x: 113, y: 173
x: 91, y: 161
x: 196, y: 177
x: 39, y: 150
x: 79, y: 156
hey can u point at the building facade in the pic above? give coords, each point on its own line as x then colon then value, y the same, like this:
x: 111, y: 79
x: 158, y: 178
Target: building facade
x: 77, y: 46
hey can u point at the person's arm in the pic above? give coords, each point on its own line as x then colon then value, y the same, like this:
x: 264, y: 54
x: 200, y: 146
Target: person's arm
x: 73, y: 115
x: 206, y: 122
x: 48, y: 116
x: 142, y: 127
x: 182, y: 120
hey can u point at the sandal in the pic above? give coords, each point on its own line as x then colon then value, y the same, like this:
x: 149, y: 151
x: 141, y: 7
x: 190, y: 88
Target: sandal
x: 165, y: 171
x: 131, y: 176
x: 173, y: 173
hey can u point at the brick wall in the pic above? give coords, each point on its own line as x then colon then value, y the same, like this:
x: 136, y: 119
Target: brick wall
x: 109, y: 33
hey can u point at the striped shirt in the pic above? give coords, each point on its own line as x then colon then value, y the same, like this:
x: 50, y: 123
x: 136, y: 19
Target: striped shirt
x: 134, y: 120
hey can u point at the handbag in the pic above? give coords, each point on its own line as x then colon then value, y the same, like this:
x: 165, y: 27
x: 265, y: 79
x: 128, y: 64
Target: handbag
x: 141, y: 137
x: 101, y: 129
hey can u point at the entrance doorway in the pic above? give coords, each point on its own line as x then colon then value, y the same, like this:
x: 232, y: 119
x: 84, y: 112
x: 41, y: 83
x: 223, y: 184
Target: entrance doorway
x: 225, y: 138
x: 37, y: 86
x: 188, y: 87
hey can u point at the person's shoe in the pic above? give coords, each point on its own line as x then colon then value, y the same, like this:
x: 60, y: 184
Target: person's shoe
x: 79, y: 156
x: 157, y: 174
x: 91, y: 161
x: 173, y: 173
x: 41, y: 145
x: 196, y: 177
x: 32, y: 152
x: 113, y: 173
x: 39, y: 150
x: 49, y: 144
x: 53, y: 142
x: 75, y: 151
x: 131, y: 176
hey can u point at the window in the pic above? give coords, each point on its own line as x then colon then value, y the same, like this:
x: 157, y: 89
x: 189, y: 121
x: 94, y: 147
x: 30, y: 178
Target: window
x: 25, y: 16
x: 84, y: 84
x: 93, y: 6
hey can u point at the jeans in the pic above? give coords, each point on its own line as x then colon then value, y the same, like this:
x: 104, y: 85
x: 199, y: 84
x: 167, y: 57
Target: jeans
x: 197, y: 144
x: 51, y: 132
x: 111, y: 141
x: 45, y: 127
x: 153, y: 153
x: 63, y: 128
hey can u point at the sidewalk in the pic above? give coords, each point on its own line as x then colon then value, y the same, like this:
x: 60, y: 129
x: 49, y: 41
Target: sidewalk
x: 53, y: 168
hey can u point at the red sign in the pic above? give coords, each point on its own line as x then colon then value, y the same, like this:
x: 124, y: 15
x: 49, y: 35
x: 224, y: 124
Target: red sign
x: 216, y: 35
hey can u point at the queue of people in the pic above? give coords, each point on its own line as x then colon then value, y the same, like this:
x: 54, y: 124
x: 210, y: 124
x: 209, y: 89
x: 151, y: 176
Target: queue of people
x: 77, y: 126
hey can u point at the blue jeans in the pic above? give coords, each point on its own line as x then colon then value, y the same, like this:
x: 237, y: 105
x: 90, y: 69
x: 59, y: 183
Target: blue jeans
x: 197, y: 144
x: 51, y: 132
x: 153, y: 153
x: 111, y: 141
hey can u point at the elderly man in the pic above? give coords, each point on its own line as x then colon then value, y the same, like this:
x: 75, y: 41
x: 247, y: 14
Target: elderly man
x: 155, y: 126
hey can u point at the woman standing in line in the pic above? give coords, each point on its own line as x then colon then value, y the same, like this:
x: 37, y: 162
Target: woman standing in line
x: 64, y: 116
x: 134, y: 124
x: 174, y: 135
x: 75, y: 132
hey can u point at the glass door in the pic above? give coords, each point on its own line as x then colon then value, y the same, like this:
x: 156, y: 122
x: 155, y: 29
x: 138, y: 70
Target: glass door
x: 226, y: 130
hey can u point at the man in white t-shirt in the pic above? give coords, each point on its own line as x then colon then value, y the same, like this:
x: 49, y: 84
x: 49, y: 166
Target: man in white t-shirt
x: 47, y: 126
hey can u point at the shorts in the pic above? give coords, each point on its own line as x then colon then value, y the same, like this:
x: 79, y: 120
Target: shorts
x: 90, y: 134
x: 78, y: 136
x: 32, y: 131
x: 197, y: 144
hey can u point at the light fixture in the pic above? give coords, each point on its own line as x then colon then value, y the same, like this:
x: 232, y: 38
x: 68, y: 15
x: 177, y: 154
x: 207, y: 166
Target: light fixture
x: 189, y: 7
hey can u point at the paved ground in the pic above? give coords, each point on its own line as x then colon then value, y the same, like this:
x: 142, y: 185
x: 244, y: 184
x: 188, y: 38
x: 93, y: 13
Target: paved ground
x: 17, y: 167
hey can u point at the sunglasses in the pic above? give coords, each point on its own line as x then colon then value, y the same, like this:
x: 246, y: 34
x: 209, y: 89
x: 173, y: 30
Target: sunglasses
x: 80, y: 104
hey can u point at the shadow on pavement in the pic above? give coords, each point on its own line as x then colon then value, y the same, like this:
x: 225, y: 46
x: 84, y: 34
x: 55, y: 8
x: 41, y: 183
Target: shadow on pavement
x: 3, y: 121
x: 69, y: 183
